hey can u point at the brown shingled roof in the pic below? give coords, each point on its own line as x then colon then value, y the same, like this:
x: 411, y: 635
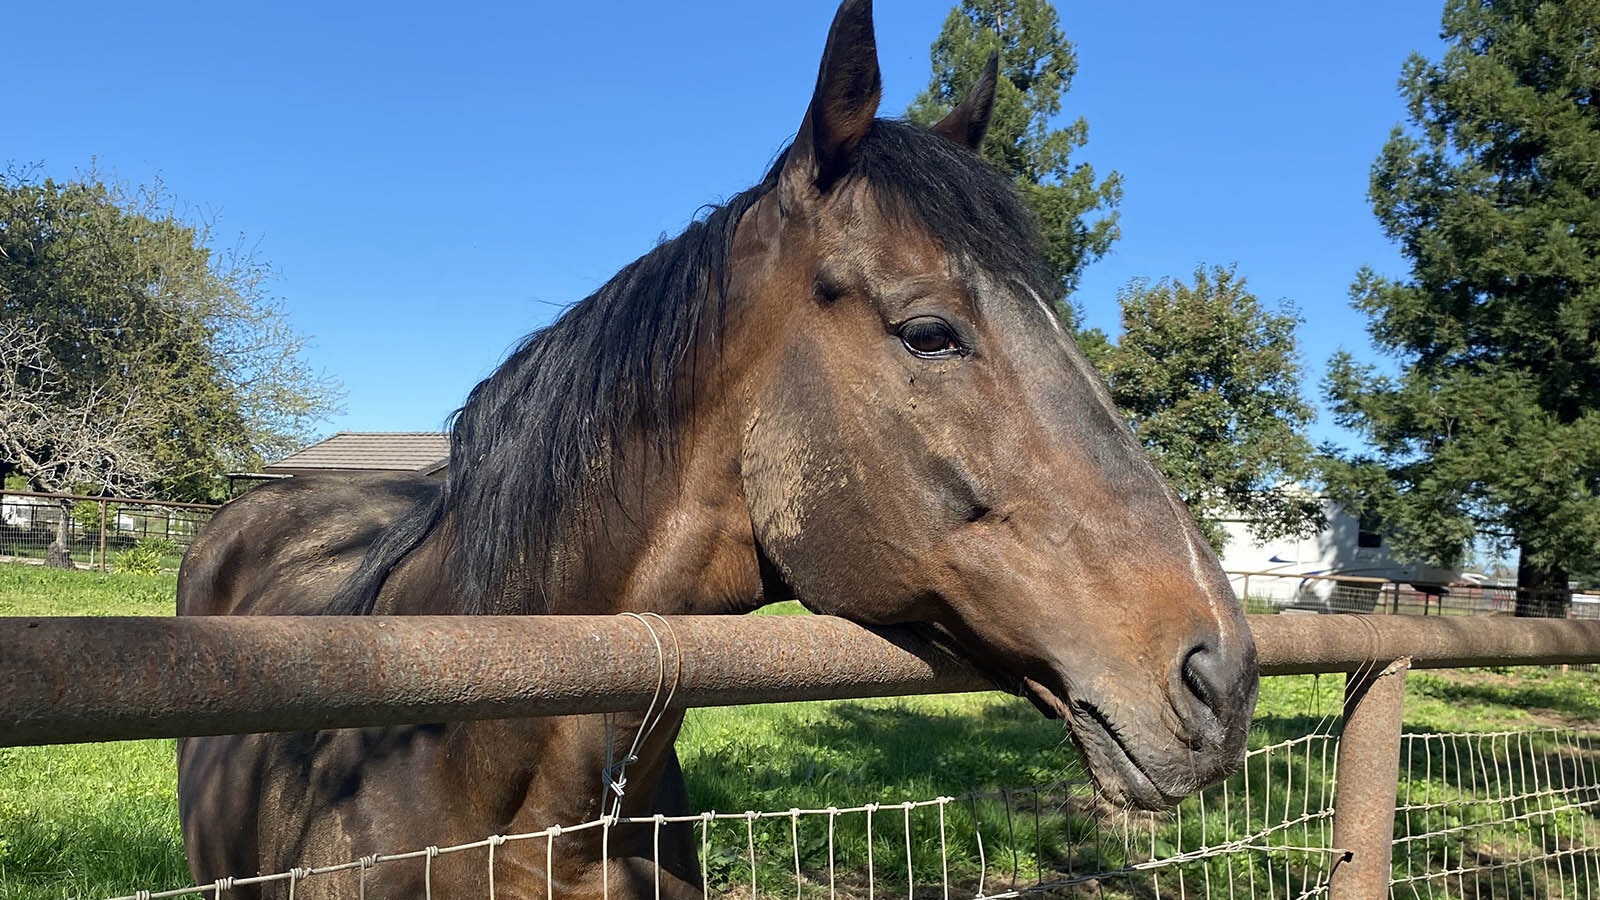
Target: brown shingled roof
x: 392, y: 451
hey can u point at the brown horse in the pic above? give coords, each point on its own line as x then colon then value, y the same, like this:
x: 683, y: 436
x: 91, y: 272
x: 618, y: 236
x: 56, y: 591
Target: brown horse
x: 843, y: 386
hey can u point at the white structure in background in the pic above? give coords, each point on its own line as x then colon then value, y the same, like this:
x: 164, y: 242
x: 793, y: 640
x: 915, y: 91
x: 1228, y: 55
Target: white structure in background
x: 1336, y: 568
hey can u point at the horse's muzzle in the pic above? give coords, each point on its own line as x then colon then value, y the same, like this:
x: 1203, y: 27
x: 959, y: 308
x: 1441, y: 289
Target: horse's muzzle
x: 1153, y: 751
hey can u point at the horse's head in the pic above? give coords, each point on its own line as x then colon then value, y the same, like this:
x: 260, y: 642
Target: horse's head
x: 926, y: 444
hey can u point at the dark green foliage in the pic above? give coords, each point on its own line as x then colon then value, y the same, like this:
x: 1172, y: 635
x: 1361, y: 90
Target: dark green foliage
x: 1489, y: 424
x: 1210, y: 380
x: 1077, y: 214
x: 144, y: 323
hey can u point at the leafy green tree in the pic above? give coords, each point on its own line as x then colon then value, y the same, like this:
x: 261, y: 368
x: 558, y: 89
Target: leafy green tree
x: 1210, y: 379
x: 142, y: 325
x: 1077, y: 213
x: 1488, y: 423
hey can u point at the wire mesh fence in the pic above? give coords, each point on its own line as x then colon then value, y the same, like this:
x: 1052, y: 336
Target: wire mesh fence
x: 1263, y: 833
x: 1267, y: 592
x: 1509, y: 814
x: 97, y: 530
x: 1504, y: 814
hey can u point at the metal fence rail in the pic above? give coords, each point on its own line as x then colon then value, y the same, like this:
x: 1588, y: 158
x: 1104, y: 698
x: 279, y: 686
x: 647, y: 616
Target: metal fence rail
x: 1529, y: 830
x: 149, y: 677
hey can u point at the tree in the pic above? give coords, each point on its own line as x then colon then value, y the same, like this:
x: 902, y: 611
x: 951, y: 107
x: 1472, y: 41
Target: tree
x: 1488, y: 425
x: 1210, y: 381
x: 90, y: 440
x: 1077, y: 214
x: 140, y: 317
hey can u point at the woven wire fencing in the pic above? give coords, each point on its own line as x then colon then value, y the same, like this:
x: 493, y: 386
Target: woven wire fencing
x: 1370, y: 810
x: 1267, y: 592
x: 97, y: 529
x: 1503, y: 814
x: 1265, y: 832
x: 1479, y: 815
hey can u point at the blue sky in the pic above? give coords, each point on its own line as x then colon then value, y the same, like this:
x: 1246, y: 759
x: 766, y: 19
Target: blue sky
x: 433, y: 181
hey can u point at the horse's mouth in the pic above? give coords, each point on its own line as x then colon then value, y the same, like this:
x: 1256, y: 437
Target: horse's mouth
x: 1114, y: 768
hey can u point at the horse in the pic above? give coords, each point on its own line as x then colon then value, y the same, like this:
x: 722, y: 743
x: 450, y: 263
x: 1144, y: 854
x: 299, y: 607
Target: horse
x: 845, y: 385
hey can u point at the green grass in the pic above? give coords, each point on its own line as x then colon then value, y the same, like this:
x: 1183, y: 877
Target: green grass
x: 27, y: 590
x: 89, y: 820
x: 100, y: 819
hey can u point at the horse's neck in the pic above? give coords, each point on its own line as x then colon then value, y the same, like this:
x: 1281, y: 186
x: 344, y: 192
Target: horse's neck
x: 667, y: 536
x: 673, y: 538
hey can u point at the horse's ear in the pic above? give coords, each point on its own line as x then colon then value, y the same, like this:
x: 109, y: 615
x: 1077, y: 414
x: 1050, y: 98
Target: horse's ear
x: 844, y: 104
x: 969, y: 121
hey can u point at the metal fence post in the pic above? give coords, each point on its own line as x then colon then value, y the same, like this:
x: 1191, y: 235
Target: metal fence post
x: 102, y: 535
x: 1368, y: 782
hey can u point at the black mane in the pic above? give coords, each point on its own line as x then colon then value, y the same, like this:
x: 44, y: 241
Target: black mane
x: 531, y: 436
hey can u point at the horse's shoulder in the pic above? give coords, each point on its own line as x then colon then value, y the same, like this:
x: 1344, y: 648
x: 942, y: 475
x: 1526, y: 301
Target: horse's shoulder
x: 285, y: 547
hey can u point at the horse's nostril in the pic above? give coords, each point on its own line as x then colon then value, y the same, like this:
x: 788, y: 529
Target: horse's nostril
x: 1210, y: 678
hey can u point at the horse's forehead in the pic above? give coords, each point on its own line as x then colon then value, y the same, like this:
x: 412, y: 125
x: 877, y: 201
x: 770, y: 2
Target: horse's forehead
x: 887, y: 249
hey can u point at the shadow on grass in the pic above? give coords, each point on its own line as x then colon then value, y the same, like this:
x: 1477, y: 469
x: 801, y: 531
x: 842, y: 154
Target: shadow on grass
x: 1569, y: 697
x: 885, y: 751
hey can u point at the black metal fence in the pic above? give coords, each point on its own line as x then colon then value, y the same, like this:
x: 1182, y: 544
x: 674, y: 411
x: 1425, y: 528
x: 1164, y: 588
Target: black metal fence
x: 97, y: 529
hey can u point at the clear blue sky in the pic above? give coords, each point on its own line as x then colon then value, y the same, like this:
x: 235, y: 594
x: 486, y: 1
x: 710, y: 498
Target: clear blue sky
x: 433, y: 181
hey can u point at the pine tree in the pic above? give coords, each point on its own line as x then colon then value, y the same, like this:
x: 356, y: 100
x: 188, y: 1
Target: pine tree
x: 1489, y: 423
x: 1077, y: 213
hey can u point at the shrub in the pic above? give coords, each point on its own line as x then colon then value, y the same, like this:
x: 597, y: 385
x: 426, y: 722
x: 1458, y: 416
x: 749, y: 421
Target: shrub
x: 145, y: 557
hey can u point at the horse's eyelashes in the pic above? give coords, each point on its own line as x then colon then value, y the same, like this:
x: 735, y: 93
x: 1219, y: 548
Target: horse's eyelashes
x: 931, y: 338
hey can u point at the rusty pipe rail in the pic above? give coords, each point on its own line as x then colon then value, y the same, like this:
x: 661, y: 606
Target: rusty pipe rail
x: 69, y: 680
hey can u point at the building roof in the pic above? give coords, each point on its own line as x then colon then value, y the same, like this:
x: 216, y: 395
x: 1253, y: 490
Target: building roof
x: 423, y: 452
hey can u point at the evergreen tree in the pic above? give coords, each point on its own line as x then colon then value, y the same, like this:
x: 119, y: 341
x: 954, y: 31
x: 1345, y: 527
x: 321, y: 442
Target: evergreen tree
x: 1209, y: 378
x: 1489, y: 423
x: 1077, y: 213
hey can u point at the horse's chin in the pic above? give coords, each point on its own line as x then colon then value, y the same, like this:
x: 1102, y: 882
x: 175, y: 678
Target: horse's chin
x: 1114, y: 768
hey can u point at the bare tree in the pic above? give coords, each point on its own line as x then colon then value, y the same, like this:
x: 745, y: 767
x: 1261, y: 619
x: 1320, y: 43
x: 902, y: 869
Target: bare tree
x: 92, y: 443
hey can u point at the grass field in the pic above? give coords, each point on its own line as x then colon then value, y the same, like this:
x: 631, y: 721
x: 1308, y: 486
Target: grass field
x: 97, y: 820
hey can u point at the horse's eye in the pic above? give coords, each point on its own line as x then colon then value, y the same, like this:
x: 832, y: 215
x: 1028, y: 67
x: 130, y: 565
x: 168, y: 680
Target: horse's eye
x: 930, y: 338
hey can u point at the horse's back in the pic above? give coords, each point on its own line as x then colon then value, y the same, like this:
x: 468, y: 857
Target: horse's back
x: 285, y: 548
x: 282, y: 549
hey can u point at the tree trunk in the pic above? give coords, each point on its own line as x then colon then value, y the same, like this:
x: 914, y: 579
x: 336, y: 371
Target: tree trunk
x: 59, y: 556
x: 1541, y: 590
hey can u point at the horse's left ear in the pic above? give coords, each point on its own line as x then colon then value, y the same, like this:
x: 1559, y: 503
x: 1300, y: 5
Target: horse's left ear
x: 843, y: 105
x: 969, y: 121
